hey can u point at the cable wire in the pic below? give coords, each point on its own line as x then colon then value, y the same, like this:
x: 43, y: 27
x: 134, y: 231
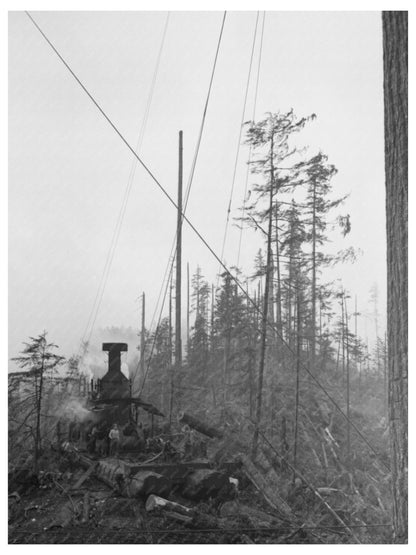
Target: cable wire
x: 172, y: 257
x: 119, y: 223
x: 239, y: 141
x: 204, y: 241
x: 253, y: 118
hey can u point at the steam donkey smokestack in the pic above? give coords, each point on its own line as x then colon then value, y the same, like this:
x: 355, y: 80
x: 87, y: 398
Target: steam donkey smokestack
x: 114, y: 360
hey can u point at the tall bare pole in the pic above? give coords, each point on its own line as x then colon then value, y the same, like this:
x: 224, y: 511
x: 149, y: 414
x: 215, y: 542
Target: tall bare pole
x: 170, y: 320
x: 171, y: 369
x: 178, y: 296
x: 142, y: 336
x: 212, y: 315
x: 187, y: 305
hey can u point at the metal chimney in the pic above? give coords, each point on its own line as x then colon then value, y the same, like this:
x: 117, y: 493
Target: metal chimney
x: 114, y: 360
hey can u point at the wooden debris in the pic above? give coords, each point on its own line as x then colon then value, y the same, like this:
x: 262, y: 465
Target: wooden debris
x: 266, y: 483
x: 170, y: 509
x: 154, y: 502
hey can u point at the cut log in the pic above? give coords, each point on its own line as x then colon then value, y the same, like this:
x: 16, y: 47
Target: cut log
x: 154, y: 503
x: 206, y: 483
x: 147, y: 482
x: 116, y: 474
x: 199, y: 426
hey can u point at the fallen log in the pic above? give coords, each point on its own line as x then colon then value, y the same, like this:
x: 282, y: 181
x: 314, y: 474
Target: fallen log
x: 199, y: 426
x: 205, y: 483
x: 148, y: 482
x: 154, y: 503
x: 158, y: 479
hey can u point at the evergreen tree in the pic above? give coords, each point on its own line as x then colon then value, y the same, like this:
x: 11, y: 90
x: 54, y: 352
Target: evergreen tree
x: 316, y: 173
x: 41, y: 361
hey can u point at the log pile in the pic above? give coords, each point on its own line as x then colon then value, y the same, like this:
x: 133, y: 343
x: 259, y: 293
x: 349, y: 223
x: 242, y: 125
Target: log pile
x: 199, y: 482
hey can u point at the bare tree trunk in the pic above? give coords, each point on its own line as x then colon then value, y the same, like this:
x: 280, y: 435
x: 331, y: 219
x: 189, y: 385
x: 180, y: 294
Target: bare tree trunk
x: 227, y: 342
x: 395, y: 122
x: 279, y: 288
x: 298, y: 347
x: 348, y: 389
x: 265, y: 311
x: 38, y: 415
x: 313, y: 293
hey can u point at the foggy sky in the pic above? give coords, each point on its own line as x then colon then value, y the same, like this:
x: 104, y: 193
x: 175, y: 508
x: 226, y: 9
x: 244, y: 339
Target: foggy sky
x: 68, y: 169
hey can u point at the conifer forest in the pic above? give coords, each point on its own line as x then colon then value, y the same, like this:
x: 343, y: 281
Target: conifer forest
x: 263, y: 403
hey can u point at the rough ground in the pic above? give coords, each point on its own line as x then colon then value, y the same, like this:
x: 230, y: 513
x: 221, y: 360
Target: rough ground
x: 49, y: 515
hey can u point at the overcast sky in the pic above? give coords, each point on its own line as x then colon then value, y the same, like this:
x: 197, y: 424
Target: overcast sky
x: 68, y: 170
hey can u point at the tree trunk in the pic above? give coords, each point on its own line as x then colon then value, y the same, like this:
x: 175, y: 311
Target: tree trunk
x: 38, y: 416
x: 313, y: 292
x: 278, y: 285
x: 395, y: 122
x: 298, y: 349
x: 348, y: 389
x: 264, y: 321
